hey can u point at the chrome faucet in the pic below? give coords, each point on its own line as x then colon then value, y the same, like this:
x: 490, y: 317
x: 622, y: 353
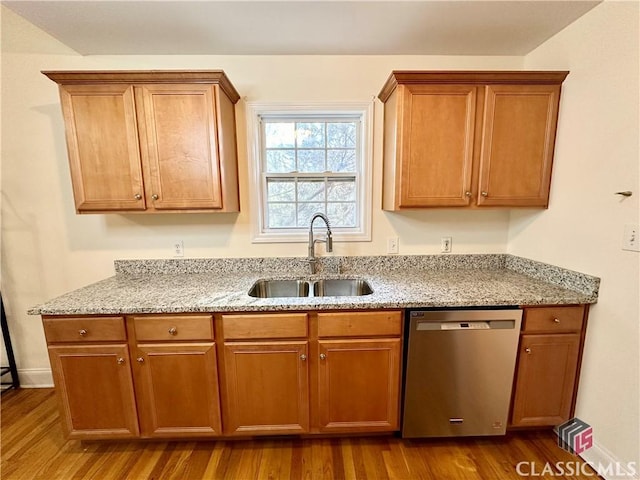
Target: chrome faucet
x: 328, y: 240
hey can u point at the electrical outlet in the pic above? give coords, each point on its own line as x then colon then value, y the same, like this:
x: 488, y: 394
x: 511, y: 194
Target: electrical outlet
x: 392, y: 245
x: 178, y: 248
x: 445, y: 244
x: 630, y: 240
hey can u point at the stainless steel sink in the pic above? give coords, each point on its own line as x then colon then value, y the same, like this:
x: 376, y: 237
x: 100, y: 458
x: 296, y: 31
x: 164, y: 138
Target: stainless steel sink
x: 340, y: 287
x: 279, y: 288
x: 333, y: 287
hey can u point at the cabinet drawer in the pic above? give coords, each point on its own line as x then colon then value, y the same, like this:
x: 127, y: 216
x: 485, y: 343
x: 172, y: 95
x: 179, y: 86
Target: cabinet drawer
x: 357, y: 324
x: 285, y: 325
x: 173, y: 327
x: 553, y: 319
x: 84, y: 329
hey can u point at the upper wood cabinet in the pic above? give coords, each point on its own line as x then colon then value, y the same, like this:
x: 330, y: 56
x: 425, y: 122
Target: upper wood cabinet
x: 469, y: 139
x: 161, y: 141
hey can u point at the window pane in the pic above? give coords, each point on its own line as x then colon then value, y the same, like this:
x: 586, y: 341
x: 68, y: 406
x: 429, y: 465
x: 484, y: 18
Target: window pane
x: 342, y: 214
x: 278, y: 135
x: 281, y: 161
x: 341, y: 160
x: 311, y: 160
x: 311, y: 191
x: 281, y: 215
x: 281, y: 190
x: 341, y: 135
x: 339, y: 190
x: 310, y: 135
x: 306, y: 211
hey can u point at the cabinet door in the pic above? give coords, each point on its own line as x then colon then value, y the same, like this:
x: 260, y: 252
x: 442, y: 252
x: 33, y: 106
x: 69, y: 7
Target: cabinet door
x: 517, y: 144
x: 545, y: 379
x: 437, y: 144
x: 178, y: 128
x: 267, y: 387
x: 359, y: 385
x: 177, y: 386
x: 95, y: 389
x: 102, y: 141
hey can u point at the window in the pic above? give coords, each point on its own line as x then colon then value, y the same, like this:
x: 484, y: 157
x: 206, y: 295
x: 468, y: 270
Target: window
x: 307, y: 160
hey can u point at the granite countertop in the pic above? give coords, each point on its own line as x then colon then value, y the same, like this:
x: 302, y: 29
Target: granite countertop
x: 222, y: 285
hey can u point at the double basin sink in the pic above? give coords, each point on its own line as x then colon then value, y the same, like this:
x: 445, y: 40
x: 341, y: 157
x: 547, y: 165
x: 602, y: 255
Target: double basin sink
x: 335, y: 287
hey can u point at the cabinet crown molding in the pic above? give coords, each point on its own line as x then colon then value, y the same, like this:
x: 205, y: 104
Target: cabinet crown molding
x: 425, y: 77
x: 80, y: 77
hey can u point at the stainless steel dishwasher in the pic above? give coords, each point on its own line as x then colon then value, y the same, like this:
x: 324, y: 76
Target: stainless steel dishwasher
x: 459, y: 372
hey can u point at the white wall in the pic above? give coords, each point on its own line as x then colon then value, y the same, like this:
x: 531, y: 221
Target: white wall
x: 48, y: 250
x: 597, y: 154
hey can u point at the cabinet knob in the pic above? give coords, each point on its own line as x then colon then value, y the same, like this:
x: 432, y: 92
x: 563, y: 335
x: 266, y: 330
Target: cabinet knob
x: 467, y: 194
x: 322, y: 356
x: 154, y: 197
x: 556, y: 320
x: 82, y: 332
x: 303, y: 357
x: 120, y: 361
x: 173, y: 331
x: 140, y: 360
x: 484, y: 194
x: 137, y: 196
x: 528, y: 350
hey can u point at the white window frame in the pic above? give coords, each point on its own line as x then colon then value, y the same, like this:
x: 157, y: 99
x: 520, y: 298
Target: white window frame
x: 254, y: 112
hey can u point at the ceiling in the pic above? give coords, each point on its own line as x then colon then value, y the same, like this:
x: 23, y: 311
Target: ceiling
x: 302, y: 27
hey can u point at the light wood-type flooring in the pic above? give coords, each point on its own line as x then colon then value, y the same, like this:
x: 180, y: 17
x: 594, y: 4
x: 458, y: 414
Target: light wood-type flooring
x: 33, y: 448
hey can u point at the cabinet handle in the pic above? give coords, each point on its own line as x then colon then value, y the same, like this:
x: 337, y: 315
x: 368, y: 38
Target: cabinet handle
x: 140, y: 360
x: 173, y: 331
x: 120, y: 361
x: 322, y: 356
x: 82, y: 332
x: 484, y: 194
x: 303, y: 357
x: 137, y: 196
x: 154, y: 197
x: 528, y: 351
x: 556, y: 320
x: 467, y: 194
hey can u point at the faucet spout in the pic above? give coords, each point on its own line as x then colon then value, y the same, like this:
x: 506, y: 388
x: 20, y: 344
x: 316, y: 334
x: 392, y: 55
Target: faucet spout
x: 328, y: 240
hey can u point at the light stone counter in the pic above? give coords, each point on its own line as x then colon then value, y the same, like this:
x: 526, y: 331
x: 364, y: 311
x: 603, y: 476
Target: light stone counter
x: 222, y: 285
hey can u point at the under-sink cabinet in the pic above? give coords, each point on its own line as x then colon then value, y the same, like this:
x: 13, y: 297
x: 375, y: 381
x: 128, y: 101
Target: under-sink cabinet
x: 340, y: 374
x: 91, y: 370
x: 175, y: 373
x: 548, y: 365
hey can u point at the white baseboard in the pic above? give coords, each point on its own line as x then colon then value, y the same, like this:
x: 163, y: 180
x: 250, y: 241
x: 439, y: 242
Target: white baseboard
x: 35, y: 378
x: 608, y: 466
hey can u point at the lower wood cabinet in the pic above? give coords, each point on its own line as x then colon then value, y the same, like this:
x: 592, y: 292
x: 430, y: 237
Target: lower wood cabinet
x: 176, y: 375
x: 548, y: 365
x: 267, y: 386
x: 92, y: 376
x: 177, y: 390
x: 341, y: 375
x: 359, y: 385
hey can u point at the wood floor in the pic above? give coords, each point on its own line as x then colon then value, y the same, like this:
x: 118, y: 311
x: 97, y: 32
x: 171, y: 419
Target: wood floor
x: 33, y: 448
